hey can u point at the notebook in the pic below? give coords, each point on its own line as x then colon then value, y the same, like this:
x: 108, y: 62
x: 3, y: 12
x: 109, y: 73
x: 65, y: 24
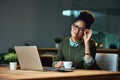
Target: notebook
x: 29, y: 58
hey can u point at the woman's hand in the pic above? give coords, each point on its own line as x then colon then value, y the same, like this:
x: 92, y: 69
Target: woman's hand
x: 87, y: 35
x: 59, y: 64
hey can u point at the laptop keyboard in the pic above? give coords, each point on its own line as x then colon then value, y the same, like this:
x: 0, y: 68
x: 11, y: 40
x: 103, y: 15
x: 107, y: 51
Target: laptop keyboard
x: 48, y: 69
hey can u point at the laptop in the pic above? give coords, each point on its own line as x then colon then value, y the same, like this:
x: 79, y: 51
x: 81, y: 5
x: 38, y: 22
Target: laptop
x: 29, y: 58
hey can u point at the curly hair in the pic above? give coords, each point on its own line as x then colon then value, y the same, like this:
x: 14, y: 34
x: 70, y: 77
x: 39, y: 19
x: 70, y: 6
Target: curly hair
x: 87, y: 17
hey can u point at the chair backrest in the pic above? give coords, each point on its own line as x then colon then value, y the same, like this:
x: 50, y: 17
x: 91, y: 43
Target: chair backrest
x: 107, y: 61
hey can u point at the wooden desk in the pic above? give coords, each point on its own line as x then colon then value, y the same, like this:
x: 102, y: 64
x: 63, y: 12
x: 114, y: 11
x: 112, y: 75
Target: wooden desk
x: 6, y: 74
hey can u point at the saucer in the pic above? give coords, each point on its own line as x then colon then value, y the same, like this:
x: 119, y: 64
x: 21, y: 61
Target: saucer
x: 65, y: 70
x: 72, y: 68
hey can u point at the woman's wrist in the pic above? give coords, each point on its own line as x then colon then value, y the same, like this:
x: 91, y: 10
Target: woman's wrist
x: 87, y: 50
x: 86, y: 42
x: 87, y: 54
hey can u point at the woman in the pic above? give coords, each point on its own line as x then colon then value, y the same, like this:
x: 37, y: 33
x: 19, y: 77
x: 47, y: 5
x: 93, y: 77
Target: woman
x: 79, y: 48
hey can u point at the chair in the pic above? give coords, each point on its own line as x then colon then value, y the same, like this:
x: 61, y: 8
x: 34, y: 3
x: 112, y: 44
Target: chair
x: 107, y: 61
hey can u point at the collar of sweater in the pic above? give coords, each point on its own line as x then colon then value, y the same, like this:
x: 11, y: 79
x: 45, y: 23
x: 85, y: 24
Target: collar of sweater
x: 74, y: 44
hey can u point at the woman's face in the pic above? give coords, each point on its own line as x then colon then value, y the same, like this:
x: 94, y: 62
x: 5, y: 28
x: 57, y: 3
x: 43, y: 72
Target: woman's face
x: 77, y: 29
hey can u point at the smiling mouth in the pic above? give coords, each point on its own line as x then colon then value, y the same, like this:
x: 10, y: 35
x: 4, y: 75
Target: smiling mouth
x: 75, y: 33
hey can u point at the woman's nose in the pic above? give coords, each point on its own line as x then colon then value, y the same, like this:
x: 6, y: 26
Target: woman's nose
x: 77, y: 31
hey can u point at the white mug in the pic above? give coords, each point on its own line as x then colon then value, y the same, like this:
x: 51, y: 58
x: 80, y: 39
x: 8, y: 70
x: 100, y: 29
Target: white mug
x: 67, y: 64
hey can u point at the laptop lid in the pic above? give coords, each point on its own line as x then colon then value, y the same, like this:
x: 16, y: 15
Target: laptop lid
x: 28, y: 57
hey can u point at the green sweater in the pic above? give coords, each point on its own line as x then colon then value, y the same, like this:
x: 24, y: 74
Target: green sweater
x: 76, y: 54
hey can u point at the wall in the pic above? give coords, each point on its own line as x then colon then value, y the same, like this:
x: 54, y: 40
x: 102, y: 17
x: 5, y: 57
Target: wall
x: 36, y: 22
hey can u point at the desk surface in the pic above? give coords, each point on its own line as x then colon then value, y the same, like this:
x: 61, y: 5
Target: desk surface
x: 5, y: 73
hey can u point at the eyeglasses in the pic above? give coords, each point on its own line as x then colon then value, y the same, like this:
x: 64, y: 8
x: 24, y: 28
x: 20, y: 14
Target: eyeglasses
x: 76, y: 27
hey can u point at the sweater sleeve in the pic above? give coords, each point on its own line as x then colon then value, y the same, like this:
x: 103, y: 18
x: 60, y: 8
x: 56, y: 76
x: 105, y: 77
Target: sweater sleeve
x: 91, y: 63
x: 59, y: 56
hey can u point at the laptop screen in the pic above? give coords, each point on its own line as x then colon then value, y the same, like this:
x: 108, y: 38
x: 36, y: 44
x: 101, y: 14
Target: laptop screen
x: 28, y: 57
